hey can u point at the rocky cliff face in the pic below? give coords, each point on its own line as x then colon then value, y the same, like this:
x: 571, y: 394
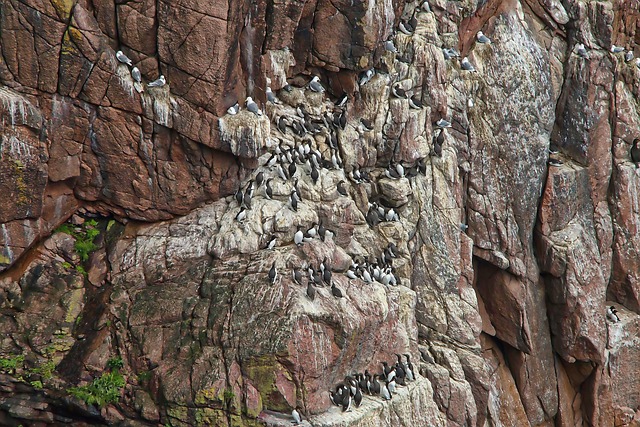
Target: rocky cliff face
x: 121, y: 248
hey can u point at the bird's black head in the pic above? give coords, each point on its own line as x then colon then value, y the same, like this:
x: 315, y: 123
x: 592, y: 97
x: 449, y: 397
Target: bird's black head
x: 635, y: 142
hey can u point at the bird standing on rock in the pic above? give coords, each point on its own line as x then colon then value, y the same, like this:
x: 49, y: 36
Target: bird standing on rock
x: 159, y: 82
x: 120, y: 56
x: 612, y: 314
x: 635, y: 152
x: 252, y: 106
x: 273, y: 273
x: 315, y: 84
x: 297, y: 419
x: 482, y: 38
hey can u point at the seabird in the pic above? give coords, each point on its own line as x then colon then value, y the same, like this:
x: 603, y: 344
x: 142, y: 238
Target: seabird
x: 315, y: 174
x: 408, y: 367
x: 366, y: 124
x: 297, y: 419
x: 270, y: 96
x: 239, y: 196
x: 366, y: 76
x: 268, y: 192
x: 315, y: 84
x: 555, y: 162
x: 241, y: 215
x: 272, y: 242
x: 357, y: 397
x: 336, y: 292
x: 616, y: 49
x: 292, y: 168
x: 405, y: 28
x: 466, y: 65
x: 612, y: 314
x: 482, y: 38
x: 159, y: 82
x: 297, y: 276
x: 438, y: 142
x: 281, y: 173
x: 413, y: 22
x: 311, y: 290
x: 470, y: 103
x: 341, y: 189
x: 582, y: 51
x: 293, y: 201
x: 346, y: 402
x: 398, y: 92
x: 135, y: 73
x: 415, y: 102
x: 273, y: 273
x: 391, y: 385
x: 446, y: 53
x: 298, y: 238
x: 384, y: 391
x: 442, y: 123
x: 351, y: 274
x: 252, y: 106
x: 326, y: 276
x: 389, y: 46
x: 425, y: 6
x: 635, y: 152
x: 259, y: 178
x: 233, y: 110
x: 120, y: 56
x: 628, y: 57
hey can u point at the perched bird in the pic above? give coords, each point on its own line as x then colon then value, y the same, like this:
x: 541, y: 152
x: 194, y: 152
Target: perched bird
x: 315, y: 84
x: 442, y: 123
x: 342, y: 101
x: 408, y: 368
x: 612, y: 314
x: 311, y: 290
x: 582, y: 51
x: 233, y: 110
x: 438, y: 141
x: 341, y: 189
x: 239, y: 196
x: 628, y: 57
x: 259, y: 179
x: 366, y: 76
x: 159, y: 82
x: 346, y: 402
x: 385, y: 393
x: 635, y: 152
x: 268, y: 191
x: 270, y: 96
x: 272, y: 242
x: 315, y: 174
x: 297, y: 419
x: 555, y: 162
x: 616, y: 49
x: 273, y: 273
x: 425, y: 6
x: 336, y: 292
x: 297, y: 276
x: 481, y: 38
x: 252, y: 106
x: 405, y: 28
x: 135, y: 73
x: 466, y: 65
x: 120, y: 56
x: 415, y: 102
x: 241, y: 215
x: 389, y: 46
x: 298, y: 238
x: 366, y: 124
x: 398, y: 92
x: 293, y: 201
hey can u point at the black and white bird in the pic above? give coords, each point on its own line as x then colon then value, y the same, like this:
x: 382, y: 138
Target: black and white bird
x: 315, y: 84
x: 384, y: 391
x: 336, y: 292
x: 481, y: 38
x: 466, y: 65
x: 298, y: 238
x: 442, y: 123
x: 240, y: 217
x: 341, y: 189
x: 159, y: 82
x: 252, y: 106
x: 233, y: 110
x: 120, y: 56
x: 311, y: 290
x: 272, y: 242
x: 273, y: 273
x: 268, y: 191
x: 612, y: 314
x: 415, y: 102
x: 398, y: 91
x: 293, y: 201
x: 297, y: 276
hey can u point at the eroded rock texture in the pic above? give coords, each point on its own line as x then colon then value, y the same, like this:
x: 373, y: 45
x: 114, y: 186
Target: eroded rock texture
x: 506, y: 260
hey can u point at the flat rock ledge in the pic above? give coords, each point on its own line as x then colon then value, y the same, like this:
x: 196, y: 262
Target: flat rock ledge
x: 411, y: 406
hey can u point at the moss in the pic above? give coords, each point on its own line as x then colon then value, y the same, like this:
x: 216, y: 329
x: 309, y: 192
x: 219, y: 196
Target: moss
x: 63, y: 8
x: 4, y: 259
x: 210, y: 417
x: 10, y: 365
